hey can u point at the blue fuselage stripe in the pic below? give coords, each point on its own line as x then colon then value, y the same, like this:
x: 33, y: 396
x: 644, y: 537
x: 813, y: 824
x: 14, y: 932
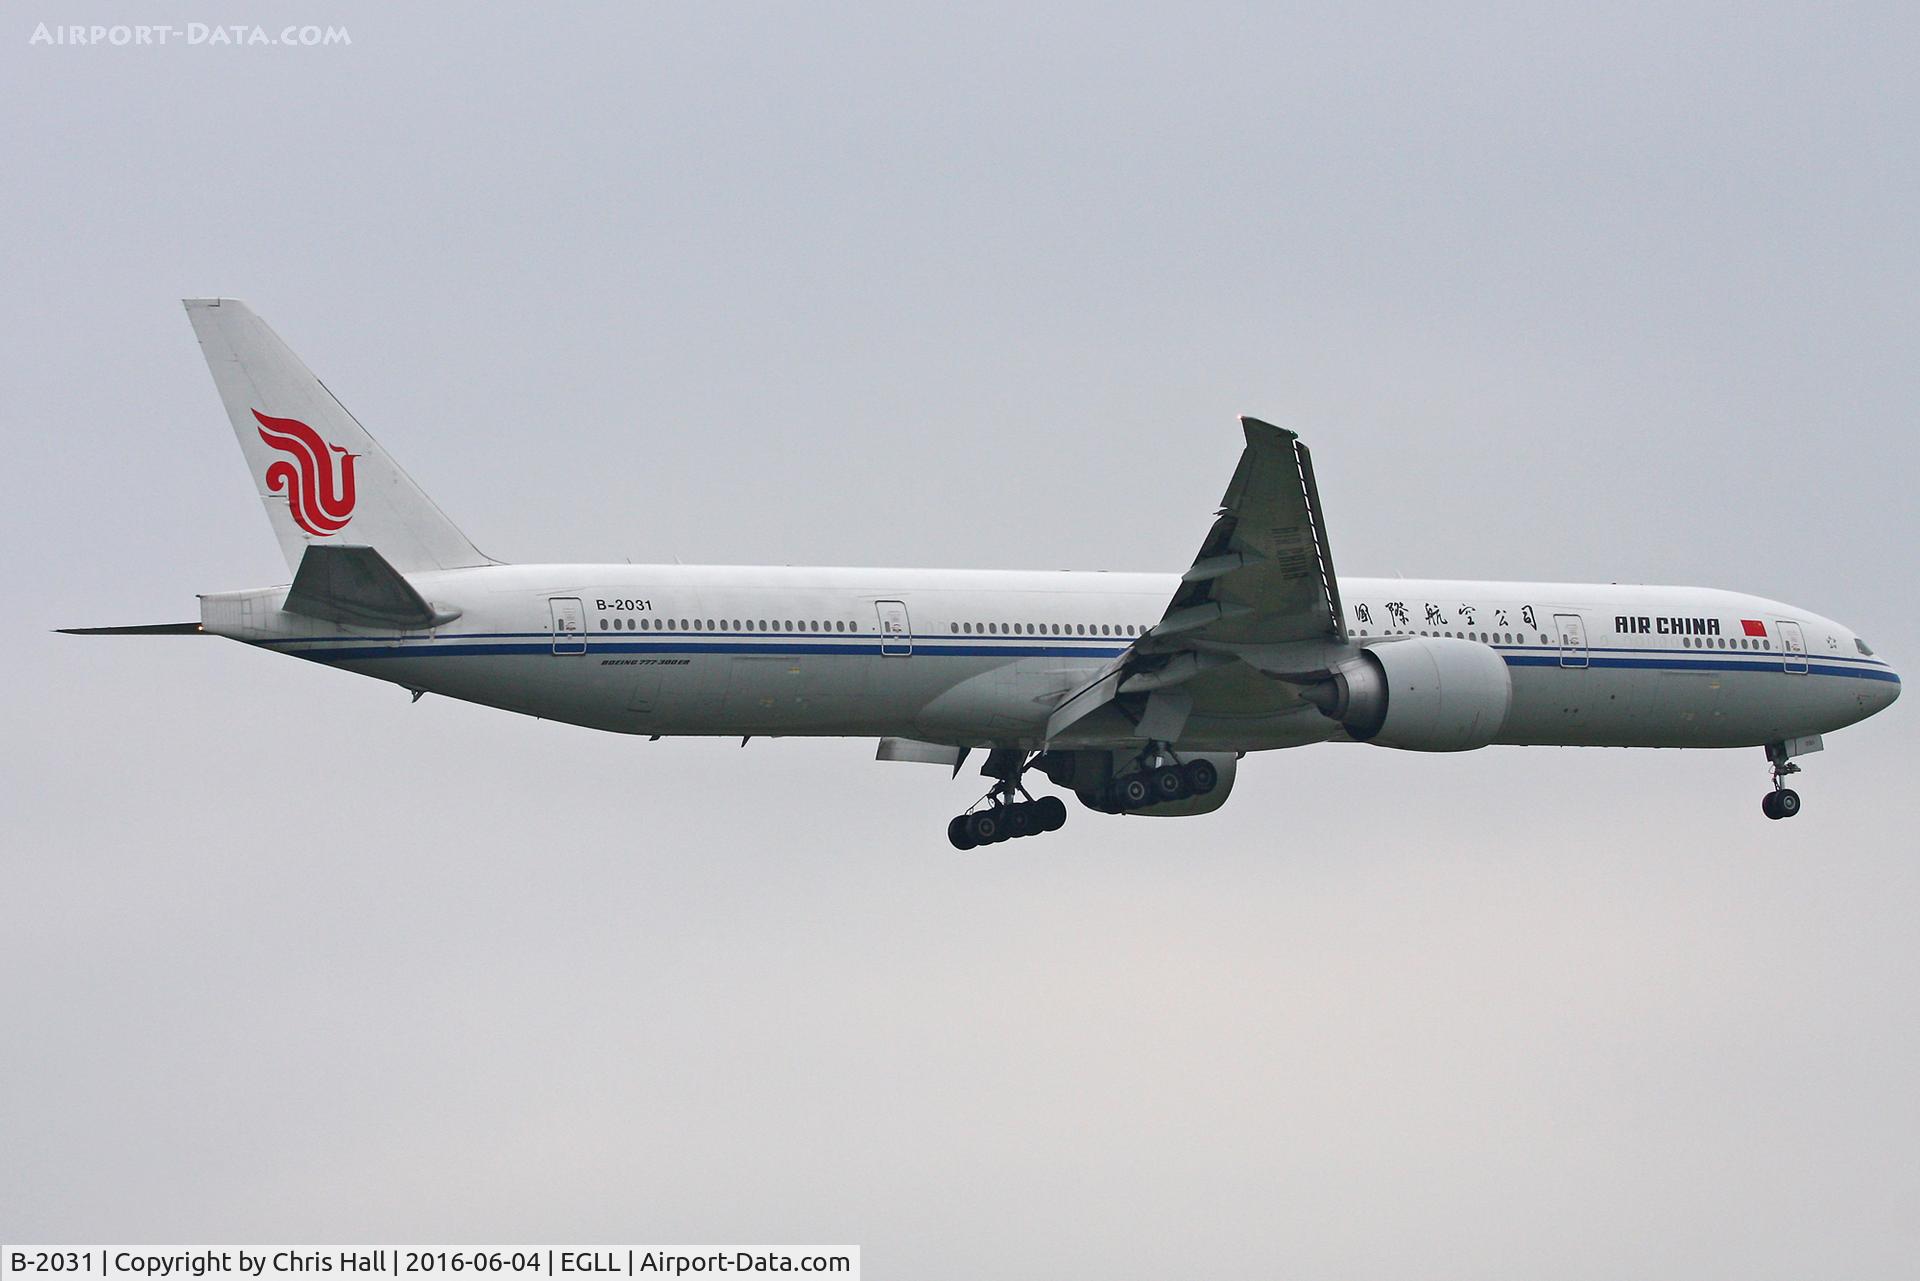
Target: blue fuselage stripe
x: 495, y: 644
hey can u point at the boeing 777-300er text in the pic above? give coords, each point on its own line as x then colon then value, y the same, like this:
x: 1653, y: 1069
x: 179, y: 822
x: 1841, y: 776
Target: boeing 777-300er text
x: 1140, y: 693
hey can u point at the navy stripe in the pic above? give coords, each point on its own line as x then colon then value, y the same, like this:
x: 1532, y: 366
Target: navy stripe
x: 1703, y: 665
x: 441, y: 649
x: 362, y: 651
x: 805, y: 640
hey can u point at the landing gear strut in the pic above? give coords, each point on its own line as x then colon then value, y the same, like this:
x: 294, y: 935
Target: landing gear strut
x: 1006, y: 817
x: 1782, y: 801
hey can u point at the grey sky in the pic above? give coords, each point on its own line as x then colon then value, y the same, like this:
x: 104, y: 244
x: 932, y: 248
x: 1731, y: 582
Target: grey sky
x: 1598, y: 294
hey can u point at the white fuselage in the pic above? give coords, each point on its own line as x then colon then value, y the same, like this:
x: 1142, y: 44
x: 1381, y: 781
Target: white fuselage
x: 980, y: 658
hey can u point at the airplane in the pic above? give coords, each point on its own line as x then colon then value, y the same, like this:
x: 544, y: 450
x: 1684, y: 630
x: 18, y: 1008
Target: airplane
x: 1138, y: 693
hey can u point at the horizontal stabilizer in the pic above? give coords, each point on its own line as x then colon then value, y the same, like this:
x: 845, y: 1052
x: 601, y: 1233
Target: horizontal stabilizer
x: 138, y: 629
x: 355, y: 585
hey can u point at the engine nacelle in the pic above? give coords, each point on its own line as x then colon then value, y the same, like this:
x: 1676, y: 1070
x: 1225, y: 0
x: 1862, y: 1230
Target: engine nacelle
x: 1426, y: 694
x: 1089, y: 772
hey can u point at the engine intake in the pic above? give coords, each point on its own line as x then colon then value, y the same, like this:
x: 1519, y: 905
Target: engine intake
x: 1426, y: 694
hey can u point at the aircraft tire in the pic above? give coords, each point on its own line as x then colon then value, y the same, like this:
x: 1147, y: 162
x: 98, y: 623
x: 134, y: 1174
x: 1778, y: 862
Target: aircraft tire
x: 1131, y: 793
x: 1169, y: 784
x: 961, y: 834
x: 1202, y: 777
x: 1052, y: 812
x: 1020, y: 821
x: 1770, y: 805
x: 1789, y: 803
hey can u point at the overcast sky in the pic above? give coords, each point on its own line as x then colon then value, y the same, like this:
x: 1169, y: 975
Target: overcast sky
x: 1611, y: 294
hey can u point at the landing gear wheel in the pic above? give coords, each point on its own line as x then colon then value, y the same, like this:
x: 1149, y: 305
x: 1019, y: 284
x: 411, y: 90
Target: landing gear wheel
x: 1131, y: 793
x: 1783, y: 801
x: 1052, y: 813
x: 960, y: 832
x: 1202, y: 777
x: 1020, y: 822
x: 986, y: 827
x: 1169, y: 784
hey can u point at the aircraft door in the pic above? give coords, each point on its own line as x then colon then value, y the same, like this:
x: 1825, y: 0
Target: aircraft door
x: 1793, y: 646
x: 1573, y: 640
x: 896, y: 632
x: 569, y: 625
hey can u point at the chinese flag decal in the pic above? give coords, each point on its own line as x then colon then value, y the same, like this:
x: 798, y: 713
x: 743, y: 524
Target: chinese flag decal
x: 1753, y: 627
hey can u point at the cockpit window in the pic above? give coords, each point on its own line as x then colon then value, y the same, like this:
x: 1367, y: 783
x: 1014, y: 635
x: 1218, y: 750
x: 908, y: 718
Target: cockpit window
x: 1862, y: 647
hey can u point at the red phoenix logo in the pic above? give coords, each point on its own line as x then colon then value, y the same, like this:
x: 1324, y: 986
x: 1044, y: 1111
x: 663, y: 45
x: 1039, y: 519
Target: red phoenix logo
x: 318, y: 506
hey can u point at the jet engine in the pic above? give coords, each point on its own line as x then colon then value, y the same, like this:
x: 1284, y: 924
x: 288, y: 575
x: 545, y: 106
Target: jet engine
x: 1425, y: 694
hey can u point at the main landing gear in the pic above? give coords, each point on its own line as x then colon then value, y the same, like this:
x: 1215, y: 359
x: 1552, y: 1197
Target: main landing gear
x: 1159, y: 779
x: 1006, y: 817
x: 1782, y: 801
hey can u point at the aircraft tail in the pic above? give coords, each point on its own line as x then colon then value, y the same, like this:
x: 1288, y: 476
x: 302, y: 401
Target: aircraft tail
x: 317, y: 470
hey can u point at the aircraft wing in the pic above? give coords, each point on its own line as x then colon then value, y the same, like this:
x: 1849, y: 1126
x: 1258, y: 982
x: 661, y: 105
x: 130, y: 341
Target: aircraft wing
x: 1261, y: 593
x: 1264, y: 575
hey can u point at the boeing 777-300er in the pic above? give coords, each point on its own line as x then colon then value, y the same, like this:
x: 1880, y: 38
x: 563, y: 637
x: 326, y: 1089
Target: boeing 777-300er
x: 1140, y: 693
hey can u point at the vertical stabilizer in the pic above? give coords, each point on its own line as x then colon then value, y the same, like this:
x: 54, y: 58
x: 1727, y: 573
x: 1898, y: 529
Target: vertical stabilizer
x: 322, y: 477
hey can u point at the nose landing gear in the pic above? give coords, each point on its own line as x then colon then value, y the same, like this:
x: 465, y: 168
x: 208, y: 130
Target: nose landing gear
x: 1782, y: 801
